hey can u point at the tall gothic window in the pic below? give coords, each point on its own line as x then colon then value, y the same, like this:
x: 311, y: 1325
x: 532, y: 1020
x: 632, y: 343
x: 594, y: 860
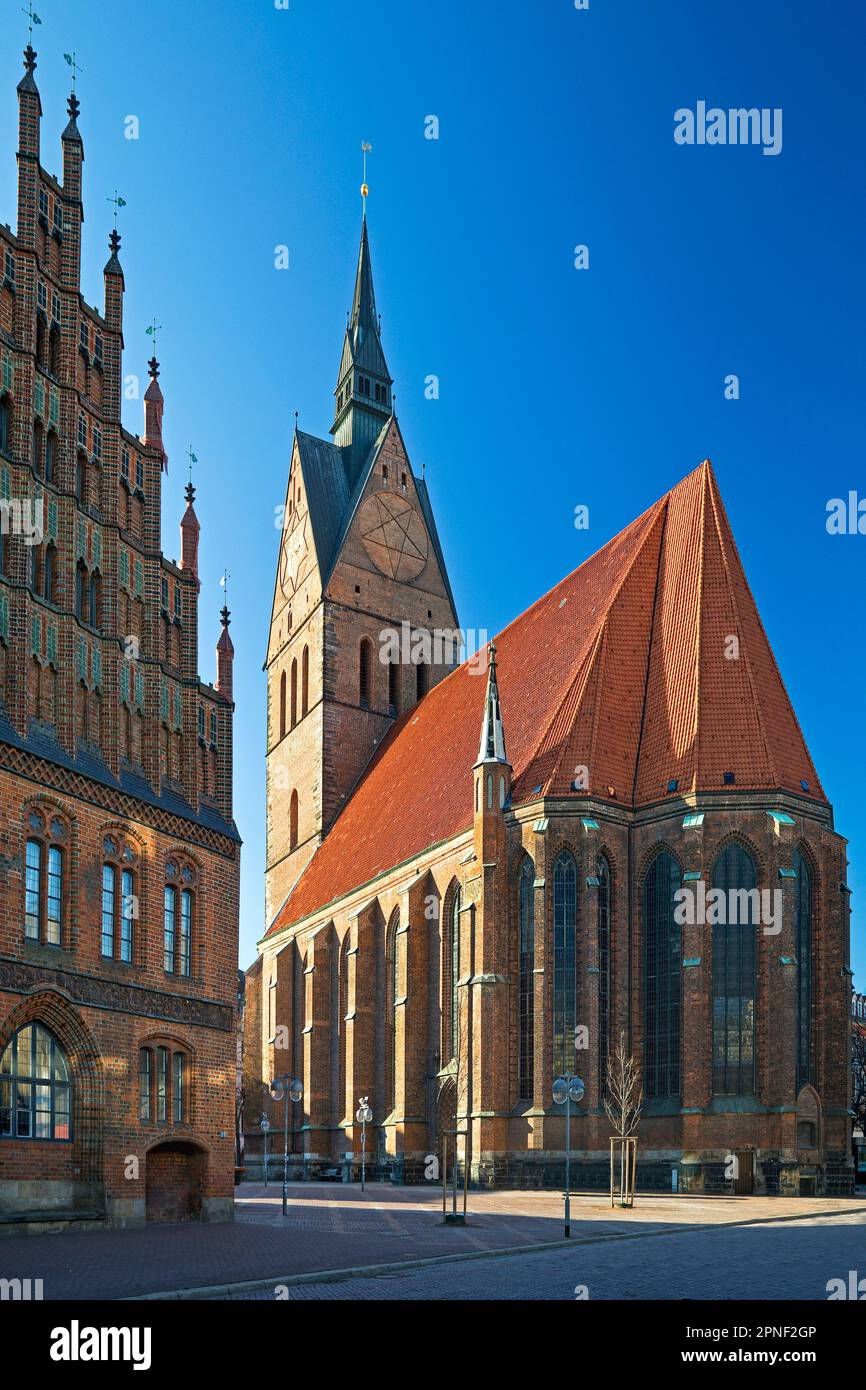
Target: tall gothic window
x: 662, y: 978
x: 364, y: 672
x: 393, y: 686
x: 305, y: 681
x: 35, y: 1090
x: 293, y: 820
x: 453, y: 1002
x: 294, y: 719
x: 392, y: 986
x: 43, y: 879
x: 564, y: 963
x: 283, y: 705
x: 526, y: 980
x: 734, y: 978
x: 602, y: 873
x: 803, y: 949
x: 118, y: 899
x: 178, y: 918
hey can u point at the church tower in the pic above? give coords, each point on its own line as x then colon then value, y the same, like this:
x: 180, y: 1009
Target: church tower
x: 363, y: 621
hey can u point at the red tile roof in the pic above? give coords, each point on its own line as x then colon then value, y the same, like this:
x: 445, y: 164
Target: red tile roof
x: 627, y: 668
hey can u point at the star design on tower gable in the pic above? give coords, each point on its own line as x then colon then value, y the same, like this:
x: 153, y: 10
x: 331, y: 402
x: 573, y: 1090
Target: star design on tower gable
x: 394, y: 536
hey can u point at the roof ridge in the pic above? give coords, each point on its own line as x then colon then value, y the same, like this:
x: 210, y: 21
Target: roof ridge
x: 649, y: 650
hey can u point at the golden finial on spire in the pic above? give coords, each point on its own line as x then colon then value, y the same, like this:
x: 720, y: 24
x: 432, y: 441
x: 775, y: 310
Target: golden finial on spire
x: 365, y: 150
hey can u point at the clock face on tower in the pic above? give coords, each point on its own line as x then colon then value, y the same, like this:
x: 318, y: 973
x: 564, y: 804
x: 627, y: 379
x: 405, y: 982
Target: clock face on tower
x: 294, y: 554
x: 394, y: 536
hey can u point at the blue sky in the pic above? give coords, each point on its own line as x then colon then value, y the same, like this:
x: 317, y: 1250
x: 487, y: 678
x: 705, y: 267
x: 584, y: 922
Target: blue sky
x: 557, y: 387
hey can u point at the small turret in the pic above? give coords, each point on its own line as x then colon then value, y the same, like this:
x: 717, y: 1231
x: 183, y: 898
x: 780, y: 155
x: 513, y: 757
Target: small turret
x: 154, y: 404
x: 225, y: 653
x: 491, y: 773
x: 189, y: 534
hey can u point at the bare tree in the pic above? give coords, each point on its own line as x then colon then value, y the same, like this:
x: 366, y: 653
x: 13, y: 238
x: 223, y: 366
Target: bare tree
x: 623, y: 1096
x: 623, y: 1101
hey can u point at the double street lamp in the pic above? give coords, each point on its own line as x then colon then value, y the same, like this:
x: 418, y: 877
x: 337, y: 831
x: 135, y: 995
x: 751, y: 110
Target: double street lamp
x: 363, y: 1115
x: 568, y: 1089
x: 287, y: 1088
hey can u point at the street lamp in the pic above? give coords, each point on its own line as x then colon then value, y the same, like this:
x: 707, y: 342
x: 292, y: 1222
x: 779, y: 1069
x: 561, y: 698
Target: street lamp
x: 286, y: 1088
x: 363, y: 1115
x: 565, y: 1090
x: 265, y: 1125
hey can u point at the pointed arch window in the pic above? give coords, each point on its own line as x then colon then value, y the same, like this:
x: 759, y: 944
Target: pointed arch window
x: 734, y: 975
x: 119, y: 901
x: 662, y: 978
x: 564, y: 963
x: 305, y: 681
x: 803, y: 949
x: 452, y: 1002
x: 526, y: 979
x: 44, y: 879
x: 393, y: 687
x: 283, y: 705
x: 365, y: 663
x: 35, y: 1087
x: 294, y: 711
x: 421, y: 680
x: 602, y: 873
x: 178, y: 918
x: 392, y: 986
x: 293, y: 821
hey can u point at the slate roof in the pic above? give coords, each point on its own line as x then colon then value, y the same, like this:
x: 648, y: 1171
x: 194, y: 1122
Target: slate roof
x: 623, y: 668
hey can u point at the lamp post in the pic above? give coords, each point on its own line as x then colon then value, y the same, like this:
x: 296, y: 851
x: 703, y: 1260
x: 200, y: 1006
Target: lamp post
x: 565, y: 1090
x: 286, y: 1088
x: 363, y: 1115
x: 265, y: 1125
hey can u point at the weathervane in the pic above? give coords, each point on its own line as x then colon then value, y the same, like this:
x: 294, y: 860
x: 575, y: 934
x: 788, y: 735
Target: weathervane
x: 32, y: 17
x: 192, y: 459
x: 151, y: 331
x: 224, y: 584
x: 117, y: 202
x: 70, y: 59
x: 365, y: 150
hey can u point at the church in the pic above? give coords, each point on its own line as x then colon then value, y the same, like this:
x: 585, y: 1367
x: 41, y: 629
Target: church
x: 476, y: 873
x: 120, y: 858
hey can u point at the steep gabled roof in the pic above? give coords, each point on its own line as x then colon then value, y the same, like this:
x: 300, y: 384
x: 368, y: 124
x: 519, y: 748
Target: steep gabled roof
x: 327, y: 490
x: 624, y: 676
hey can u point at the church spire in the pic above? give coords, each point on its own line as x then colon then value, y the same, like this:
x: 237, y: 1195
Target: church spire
x: 363, y: 391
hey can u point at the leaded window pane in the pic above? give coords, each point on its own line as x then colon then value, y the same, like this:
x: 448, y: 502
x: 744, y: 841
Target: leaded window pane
x: 109, y: 892
x: 35, y: 1094
x: 734, y: 978
x: 564, y: 964
x: 33, y: 890
x: 526, y: 983
x: 54, y: 896
x: 662, y: 979
x: 185, y: 931
x: 127, y: 915
x: 170, y: 913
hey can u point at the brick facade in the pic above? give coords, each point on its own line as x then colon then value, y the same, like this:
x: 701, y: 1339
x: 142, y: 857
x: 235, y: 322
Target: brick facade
x: 115, y: 760
x: 650, y: 731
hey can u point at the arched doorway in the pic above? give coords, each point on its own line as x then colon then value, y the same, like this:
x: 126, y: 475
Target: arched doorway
x: 175, y: 1175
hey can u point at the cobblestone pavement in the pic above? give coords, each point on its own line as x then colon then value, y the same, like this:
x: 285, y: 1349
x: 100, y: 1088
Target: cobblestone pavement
x: 776, y: 1262
x: 335, y: 1226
